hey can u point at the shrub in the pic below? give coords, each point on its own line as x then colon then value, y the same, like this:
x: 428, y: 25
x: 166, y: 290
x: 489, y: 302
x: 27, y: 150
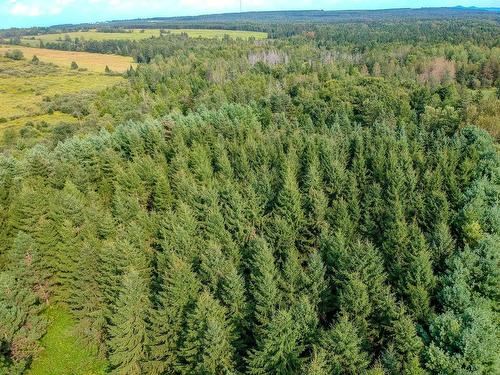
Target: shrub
x: 15, y: 54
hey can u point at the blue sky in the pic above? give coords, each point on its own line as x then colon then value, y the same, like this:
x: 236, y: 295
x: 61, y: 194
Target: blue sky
x: 23, y: 13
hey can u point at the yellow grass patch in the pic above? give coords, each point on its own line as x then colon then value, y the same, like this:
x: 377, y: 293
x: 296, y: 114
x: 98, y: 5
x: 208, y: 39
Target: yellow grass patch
x: 20, y: 97
x: 50, y: 119
x: 147, y: 33
x: 209, y: 33
x: 23, y: 87
x: 95, y: 62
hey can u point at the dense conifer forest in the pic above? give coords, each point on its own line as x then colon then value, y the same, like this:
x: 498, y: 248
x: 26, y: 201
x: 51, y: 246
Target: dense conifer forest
x: 322, y: 202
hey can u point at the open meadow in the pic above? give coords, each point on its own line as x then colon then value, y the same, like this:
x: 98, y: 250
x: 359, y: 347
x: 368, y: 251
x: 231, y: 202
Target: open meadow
x: 25, y: 87
x: 136, y: 34
x: 94, y: 62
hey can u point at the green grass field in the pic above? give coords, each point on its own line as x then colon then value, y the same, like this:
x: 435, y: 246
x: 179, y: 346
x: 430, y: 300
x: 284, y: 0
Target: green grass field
x: 64, y: 353
x: 138, y: 35
x: 95, y: 62
x: 23, y: 87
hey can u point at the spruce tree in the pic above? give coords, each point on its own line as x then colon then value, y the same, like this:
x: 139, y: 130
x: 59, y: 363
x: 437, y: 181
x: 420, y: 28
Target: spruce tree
x: 128, y: 329
x: 316, y: 280
x: 354, y: 301
x: 419, y: 276
x: 278, y: 350
x: 179, y: 292
x: 233, y: 295
x: 402, y: 355
x: 162, y: 197
x: 318, y: 364
x: 263, y: 281
x: 344, y: 348
x: 207, y: 346
x: 288, y: 201
x: 86, y: 299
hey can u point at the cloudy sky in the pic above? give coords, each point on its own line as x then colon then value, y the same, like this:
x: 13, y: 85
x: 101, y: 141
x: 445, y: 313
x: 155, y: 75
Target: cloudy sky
x: 49, y: 12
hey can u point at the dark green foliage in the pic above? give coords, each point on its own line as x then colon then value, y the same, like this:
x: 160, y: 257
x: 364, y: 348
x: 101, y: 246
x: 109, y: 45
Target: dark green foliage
x: 263, y: 281
x: 343, y: 348
x: 316, y: 204
x: 21, y: 302
x: 128, y: 326
x: 278, y: 350
x: 169, y: 280
x: 177, y: 298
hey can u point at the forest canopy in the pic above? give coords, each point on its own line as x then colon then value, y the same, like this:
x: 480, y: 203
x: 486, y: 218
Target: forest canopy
x: 321, y: 202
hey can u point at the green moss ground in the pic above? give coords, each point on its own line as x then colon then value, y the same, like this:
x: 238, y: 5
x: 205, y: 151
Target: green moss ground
x: 64, y: 353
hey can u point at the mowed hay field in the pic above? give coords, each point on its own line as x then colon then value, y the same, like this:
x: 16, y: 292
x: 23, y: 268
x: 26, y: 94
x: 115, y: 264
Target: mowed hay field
x: 95, y: 62
x: 147, y: 33
x: 23, y: 87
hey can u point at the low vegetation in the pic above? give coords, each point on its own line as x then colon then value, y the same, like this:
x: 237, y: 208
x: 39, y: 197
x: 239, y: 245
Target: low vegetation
x: 64, y: 352
x: 14, y: 54
x: 137, y: 34
x: 27, y: 91
x: 88, y: 61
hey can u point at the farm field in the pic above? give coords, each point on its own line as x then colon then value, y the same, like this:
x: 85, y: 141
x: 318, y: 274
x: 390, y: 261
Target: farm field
x: 147, y: 33
x: 23, y: 87
x: 91, y: 61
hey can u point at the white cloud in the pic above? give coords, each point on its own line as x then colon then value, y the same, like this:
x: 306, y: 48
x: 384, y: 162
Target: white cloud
x: 55, y: 10
x: 20, y: 9
x: 34, y: 8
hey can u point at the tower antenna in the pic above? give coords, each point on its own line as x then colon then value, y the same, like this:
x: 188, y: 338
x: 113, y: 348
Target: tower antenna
x: 240, y: 6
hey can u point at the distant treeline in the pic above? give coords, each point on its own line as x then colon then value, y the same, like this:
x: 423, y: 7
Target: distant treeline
x: 445, y: 23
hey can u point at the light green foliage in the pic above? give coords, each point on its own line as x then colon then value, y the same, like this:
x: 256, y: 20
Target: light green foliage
x: 64, y: 351
x: 343, y: 348
x: 138, y: 35
x: 318, y: 364
x: 207, y: 347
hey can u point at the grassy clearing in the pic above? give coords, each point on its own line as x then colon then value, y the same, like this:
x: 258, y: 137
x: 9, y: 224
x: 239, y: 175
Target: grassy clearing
x: 20, y: 97
x: 148, y: 33
x: 50, y: 119
x: 95, y: 62
x: 23, y: 87
x: 63, y: 353
x: 209, y: 33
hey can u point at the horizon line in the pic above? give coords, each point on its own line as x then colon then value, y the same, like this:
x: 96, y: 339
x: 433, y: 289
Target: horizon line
x: 486, y: 9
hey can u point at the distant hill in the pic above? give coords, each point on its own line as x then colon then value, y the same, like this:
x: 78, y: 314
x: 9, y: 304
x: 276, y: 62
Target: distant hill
x: 307, y: 16
x: 490, y: 9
